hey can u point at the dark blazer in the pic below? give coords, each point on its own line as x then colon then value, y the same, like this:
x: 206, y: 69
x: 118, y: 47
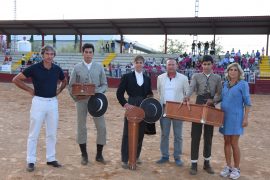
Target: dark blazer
x: 128, y: 83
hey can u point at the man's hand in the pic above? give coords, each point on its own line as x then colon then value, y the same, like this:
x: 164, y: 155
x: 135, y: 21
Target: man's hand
x: 82, y: 97
x: 128, y: 106
x: 210, y: 102
x: 186, y: 99
x: 31, y: 92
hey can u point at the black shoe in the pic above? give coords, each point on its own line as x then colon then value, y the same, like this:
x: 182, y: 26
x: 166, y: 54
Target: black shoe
x: 84, y: 160
x: 139, y: 161
x: 208, y: 168
x: 100, y: 159
x: 30, y: 167
x: 54, y: 164
x: 193, y: 169
x: 125, y: 165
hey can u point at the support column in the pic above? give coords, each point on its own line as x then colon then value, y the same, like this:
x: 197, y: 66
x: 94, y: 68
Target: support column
x: 267, y: 44
x: 8, y: 41
x: 42, y: 42
x: 80, y: 42
x: 214, y: 44
x: 121, y: 43
x: 165, y: 45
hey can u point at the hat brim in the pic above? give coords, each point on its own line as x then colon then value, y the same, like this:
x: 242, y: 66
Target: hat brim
x: 148, y: 103
x: 97, y: 105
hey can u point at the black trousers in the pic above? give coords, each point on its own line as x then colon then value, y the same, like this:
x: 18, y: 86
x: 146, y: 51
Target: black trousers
x: 124, y: 148
x: 196, y: 132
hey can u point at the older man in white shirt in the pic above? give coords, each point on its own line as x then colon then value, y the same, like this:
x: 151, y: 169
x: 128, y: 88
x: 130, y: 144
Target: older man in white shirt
x: 171, y: 86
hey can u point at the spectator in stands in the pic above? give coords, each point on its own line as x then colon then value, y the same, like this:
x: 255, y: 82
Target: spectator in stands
x: 238, y: 54
x: 10, y: 60
x: 263, y: 51
x: 110, y: 69
x: 193, y: 46
x: 247, y: 55
x: 131, y: 48
x: 199, y: 45
x: 227, y: 55
x: 252, y: 55
x: 107, y: 47
x: 113, y: 46
x: 23, y: 60
x: 232, y: 53
x: 206, y: 47
x: 213, y: 45
x: 258, y: 54
x: 231, y: 60
x: 247, y: 71
x: 126, y: 47
x: 244, y: 62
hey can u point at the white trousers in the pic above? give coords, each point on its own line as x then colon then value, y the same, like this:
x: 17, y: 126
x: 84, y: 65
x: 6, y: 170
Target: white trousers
x: 42, y: 109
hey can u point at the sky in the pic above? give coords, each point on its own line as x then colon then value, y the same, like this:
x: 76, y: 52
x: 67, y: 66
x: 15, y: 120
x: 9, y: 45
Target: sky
x: 109, y: 9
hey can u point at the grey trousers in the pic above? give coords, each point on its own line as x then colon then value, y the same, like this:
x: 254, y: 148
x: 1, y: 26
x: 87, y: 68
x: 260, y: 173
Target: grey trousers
x: 82, y: 112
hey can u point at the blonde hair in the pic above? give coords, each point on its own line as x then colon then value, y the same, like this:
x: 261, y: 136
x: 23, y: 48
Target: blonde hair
x: 240, y: 70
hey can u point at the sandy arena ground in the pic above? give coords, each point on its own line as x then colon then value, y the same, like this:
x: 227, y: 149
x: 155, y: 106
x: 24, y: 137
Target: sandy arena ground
x: 14, y: 122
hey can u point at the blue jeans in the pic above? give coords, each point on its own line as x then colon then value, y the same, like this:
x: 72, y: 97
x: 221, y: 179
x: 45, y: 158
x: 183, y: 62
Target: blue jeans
x: 165, y: 124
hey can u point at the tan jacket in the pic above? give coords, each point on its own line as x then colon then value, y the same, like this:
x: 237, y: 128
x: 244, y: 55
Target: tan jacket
x: 181, y: 89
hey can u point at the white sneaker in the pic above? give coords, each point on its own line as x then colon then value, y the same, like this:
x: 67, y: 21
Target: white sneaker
x: 235, y: 174
x: 226, y: 171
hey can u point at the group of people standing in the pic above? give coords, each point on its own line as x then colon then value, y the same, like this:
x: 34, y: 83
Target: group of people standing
x: 171, y: 86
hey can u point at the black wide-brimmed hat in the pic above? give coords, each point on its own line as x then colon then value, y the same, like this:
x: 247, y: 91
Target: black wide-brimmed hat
x: 152, y: 109
x: 97, y: 105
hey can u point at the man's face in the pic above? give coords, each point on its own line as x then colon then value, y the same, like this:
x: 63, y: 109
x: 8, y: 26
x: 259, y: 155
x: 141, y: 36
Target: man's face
x: 171, y: 66
x: 138, y: 65
x: 88, y: 55
x: 48, y: 56
x: 207, y: 66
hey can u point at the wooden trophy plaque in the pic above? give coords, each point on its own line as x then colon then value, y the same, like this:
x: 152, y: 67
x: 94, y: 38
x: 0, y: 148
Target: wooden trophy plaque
x: 83, y: 89
x: 134, y: 117
x: 194, y: 113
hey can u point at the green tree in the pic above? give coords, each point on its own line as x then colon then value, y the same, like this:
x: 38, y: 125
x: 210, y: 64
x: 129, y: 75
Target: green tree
x: 218, y: 47
x: 174, y: 46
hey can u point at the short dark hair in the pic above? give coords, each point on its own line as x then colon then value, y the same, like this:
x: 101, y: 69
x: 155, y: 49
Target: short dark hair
x: 139, y: 58
x: 207, y: 58
x: 88, y: 45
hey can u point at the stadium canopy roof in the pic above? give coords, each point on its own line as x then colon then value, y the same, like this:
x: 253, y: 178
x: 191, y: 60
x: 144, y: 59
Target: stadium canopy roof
x: 153, y: 26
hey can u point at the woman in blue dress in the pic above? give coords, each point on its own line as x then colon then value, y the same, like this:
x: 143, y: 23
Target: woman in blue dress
x: 236, y: 106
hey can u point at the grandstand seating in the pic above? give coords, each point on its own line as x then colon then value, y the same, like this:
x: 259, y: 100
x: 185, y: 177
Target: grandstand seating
x: 265, y: 67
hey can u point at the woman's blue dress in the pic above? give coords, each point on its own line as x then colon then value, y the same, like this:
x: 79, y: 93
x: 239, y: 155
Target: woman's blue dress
x: 234, y: 99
